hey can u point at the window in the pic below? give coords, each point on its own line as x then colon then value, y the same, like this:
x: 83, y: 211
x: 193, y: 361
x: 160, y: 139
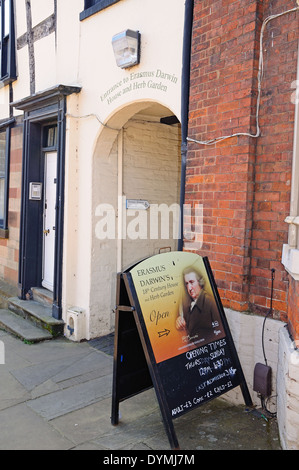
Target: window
x: 7, y: 42
x: 93, y: 6
x: 4, y: 168
x: 50, y: 136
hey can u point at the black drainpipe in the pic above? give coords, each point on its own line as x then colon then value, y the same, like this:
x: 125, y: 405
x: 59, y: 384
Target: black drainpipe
x: 187, y: 42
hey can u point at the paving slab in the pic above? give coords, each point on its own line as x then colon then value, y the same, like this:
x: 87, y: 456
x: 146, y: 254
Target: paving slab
x: 23, y: 429
x: 64, y: 371
x: 94, y: 362
x: 57, y: 395
x: 37, y: 374
x: 85, y: 425
x: 45, y: 388
x: 11, y: 391
x: 129, y: 433
x: 65, y: 401
x: 38, y: 353
x: 93, y: 421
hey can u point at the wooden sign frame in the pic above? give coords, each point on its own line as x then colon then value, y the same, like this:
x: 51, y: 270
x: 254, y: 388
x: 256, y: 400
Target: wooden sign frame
x: 136, y: 367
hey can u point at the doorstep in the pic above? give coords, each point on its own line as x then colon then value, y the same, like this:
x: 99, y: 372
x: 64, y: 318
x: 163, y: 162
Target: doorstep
x: 23, y: 329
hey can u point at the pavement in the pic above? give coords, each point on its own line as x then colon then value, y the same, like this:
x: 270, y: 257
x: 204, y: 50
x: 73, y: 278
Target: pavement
x: 56, y: 395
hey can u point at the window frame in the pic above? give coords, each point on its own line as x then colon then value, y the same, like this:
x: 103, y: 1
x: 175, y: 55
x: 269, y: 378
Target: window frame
x: 4, y: 220
x: 290, y: 252
x: 94, y: 6
x: 7, y: 53
x: 53, y: 146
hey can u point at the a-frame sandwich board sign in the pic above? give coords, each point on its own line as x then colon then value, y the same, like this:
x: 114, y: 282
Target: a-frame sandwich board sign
x: 174, y: 339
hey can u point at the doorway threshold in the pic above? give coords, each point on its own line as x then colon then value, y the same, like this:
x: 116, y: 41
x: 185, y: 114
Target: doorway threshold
x: 42, y: 295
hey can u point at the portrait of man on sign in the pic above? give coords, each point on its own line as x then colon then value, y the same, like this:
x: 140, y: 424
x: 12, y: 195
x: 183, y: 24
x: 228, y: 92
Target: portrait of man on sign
x: 199, y: 315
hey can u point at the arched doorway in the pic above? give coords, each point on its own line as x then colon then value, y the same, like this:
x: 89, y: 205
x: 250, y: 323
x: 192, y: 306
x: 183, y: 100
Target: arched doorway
x: 136, y: 191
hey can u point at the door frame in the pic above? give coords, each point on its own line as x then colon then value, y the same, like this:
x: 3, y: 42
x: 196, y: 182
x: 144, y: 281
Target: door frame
x: 39, y: 110
x: 46, y: 215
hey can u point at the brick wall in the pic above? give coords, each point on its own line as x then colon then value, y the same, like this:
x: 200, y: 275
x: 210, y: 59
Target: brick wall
x: 9, y: 248
x: 243, y: 182
x: 274, y: 157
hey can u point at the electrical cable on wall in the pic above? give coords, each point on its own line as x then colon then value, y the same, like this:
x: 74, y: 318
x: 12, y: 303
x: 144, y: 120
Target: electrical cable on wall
x: 260, y: 78
x: 86, y: 116
x: 269, y: 312
x: 263, y: 400
x: 93, y: 115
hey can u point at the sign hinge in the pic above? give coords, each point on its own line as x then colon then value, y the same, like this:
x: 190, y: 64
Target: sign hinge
x: 124, y: 308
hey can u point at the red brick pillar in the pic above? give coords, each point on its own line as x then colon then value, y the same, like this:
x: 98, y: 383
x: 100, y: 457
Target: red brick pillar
x: 222, y: 103
x: 243, y: 182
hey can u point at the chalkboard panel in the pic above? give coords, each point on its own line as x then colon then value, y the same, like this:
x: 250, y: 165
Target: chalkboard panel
x: 198, y: 376
x: 173, y: 325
